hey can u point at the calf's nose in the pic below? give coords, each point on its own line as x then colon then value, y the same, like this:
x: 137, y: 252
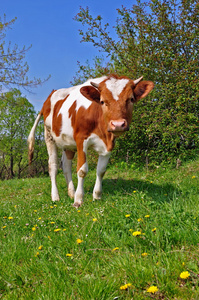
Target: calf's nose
x: 118, y: 125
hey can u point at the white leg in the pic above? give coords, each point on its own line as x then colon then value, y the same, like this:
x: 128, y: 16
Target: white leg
x: 52, y: 164
x: 101, y: 169
x: 67, y: 157
x: 79, y: 194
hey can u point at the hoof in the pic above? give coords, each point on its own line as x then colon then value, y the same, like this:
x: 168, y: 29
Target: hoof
x: 77, y: 204
x: 97, y: 196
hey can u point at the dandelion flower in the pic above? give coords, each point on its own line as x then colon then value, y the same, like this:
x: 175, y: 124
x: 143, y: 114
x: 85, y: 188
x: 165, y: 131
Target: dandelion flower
x: 134, y: 192
x: 137, y: 233
x: 94, y: 220
x: 79, y: 211
x: 140, y: 219
x: 33, y: 229
x: 37, y: 254
x: 69, y: 255
x: 52, y: 222
x: 125, y: 287
x: 147, y: 216
x: 56, y: 230
x: 154, y: 229
x: 144, y: 254
x: 127, y: 216
x: 5, y: 217
x: 184, y: 275
x: 4, y: 227
x: 193, y: 177
x: 10, y: 218
x: 79, y: 241
x: 152, y: 289
x: 116, y: 248
x: 40, y: 247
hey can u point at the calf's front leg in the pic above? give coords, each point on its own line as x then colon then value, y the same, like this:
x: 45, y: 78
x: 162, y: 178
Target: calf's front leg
x: 82, y: 170
x: 101, y: 169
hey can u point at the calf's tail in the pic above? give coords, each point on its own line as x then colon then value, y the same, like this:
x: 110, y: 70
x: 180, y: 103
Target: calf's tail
x: 31, y: 138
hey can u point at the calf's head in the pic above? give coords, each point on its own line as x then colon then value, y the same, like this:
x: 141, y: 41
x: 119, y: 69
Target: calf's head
x: 116, y: 95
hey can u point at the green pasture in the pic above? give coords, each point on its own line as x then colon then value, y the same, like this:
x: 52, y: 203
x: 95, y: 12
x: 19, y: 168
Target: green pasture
x: 135, y: 243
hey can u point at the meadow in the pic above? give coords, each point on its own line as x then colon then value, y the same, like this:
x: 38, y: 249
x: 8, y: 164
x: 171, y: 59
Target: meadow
x: 141, y: 241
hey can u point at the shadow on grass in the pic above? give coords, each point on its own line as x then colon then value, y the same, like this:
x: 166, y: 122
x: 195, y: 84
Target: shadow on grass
x: 159, y: 192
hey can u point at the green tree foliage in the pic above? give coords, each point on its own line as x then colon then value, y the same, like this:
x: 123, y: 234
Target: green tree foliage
x: 159, y: 40
x: 13, y: 68
x: 16, y: 118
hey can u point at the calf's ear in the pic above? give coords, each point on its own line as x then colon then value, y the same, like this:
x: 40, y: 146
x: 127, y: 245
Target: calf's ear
x: 142, y: 89
x: 90, y: 93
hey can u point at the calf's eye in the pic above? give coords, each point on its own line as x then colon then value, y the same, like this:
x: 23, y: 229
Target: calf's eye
x: 102, y: 102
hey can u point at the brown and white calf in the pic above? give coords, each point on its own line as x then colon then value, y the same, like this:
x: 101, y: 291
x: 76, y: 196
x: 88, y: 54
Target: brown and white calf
x: 89, y: 115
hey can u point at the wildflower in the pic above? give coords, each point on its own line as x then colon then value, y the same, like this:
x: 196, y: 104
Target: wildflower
x: 140, y: 219
x: 37, y: 254
x: 39, y: 218
x: 40, y: 247
x: 184, y: 275
x: 127, y: 216
x: 79, y: 241
x: 144, y: 254
x: 52, y: 222
x: 152, y: 289
x: 69, y: 255
x: 35, y: 210
x: 56, y: 230
x: 130, y: 230
x: 10, y: 218
x: 5, y: 217
x: 137, y: 233
x: 154, y: 229
x: 116, y: 248
x: 79, y: 211
x: 94, y: 219
x: 193, y: 177
x: 33, y: 229
x: 147, y: 216
x: 125, y: 287
x: 134, y: 192
x: 64, y: 229
x: 4, y: 227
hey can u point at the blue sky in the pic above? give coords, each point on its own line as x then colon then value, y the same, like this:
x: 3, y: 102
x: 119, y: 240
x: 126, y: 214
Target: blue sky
x: 49, y: 27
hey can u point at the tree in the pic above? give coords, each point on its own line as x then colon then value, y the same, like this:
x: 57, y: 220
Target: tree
x: 159, y: 40
x: 16, y: 117
x: 13, y: 68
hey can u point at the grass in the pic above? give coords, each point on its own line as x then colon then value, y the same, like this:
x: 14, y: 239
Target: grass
x: 41, y: 259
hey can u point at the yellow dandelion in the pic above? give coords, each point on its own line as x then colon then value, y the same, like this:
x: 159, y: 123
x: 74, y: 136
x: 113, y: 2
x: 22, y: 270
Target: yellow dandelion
x: 94, y: 220
x: 10, y: 218
x: 79, y: 241
x: 37, y: 254
x: 33, y: 229
x: 52, y: 222
x: 79, y: 211
x: 56, y: 230
x: 5, y: 217
x: 140, y: 219
x: 69, y: 255
x: 126, y: 286
x: 137, y: 233
x: 154, y: 229
x: 4, y: 227
x: 152, y: 289
x: 144, y: 254
x: 39, y: 218
x: 64, y: 229
x: 127, y: 216
x: 147, y: 216
x: 134, y: 192
x: 193, y: 177
x: 115, y: 249
x: 40, y: 247
x: 184, y: 275
x: 130, y: 230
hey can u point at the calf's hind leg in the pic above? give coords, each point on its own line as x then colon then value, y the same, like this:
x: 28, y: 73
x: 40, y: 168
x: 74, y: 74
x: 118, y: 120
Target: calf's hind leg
x: 52, y: 164
x: 101, y: 169
x: 67, y: 157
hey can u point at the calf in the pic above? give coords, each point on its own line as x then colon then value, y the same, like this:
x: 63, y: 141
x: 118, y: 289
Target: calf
x: 89, y: 115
